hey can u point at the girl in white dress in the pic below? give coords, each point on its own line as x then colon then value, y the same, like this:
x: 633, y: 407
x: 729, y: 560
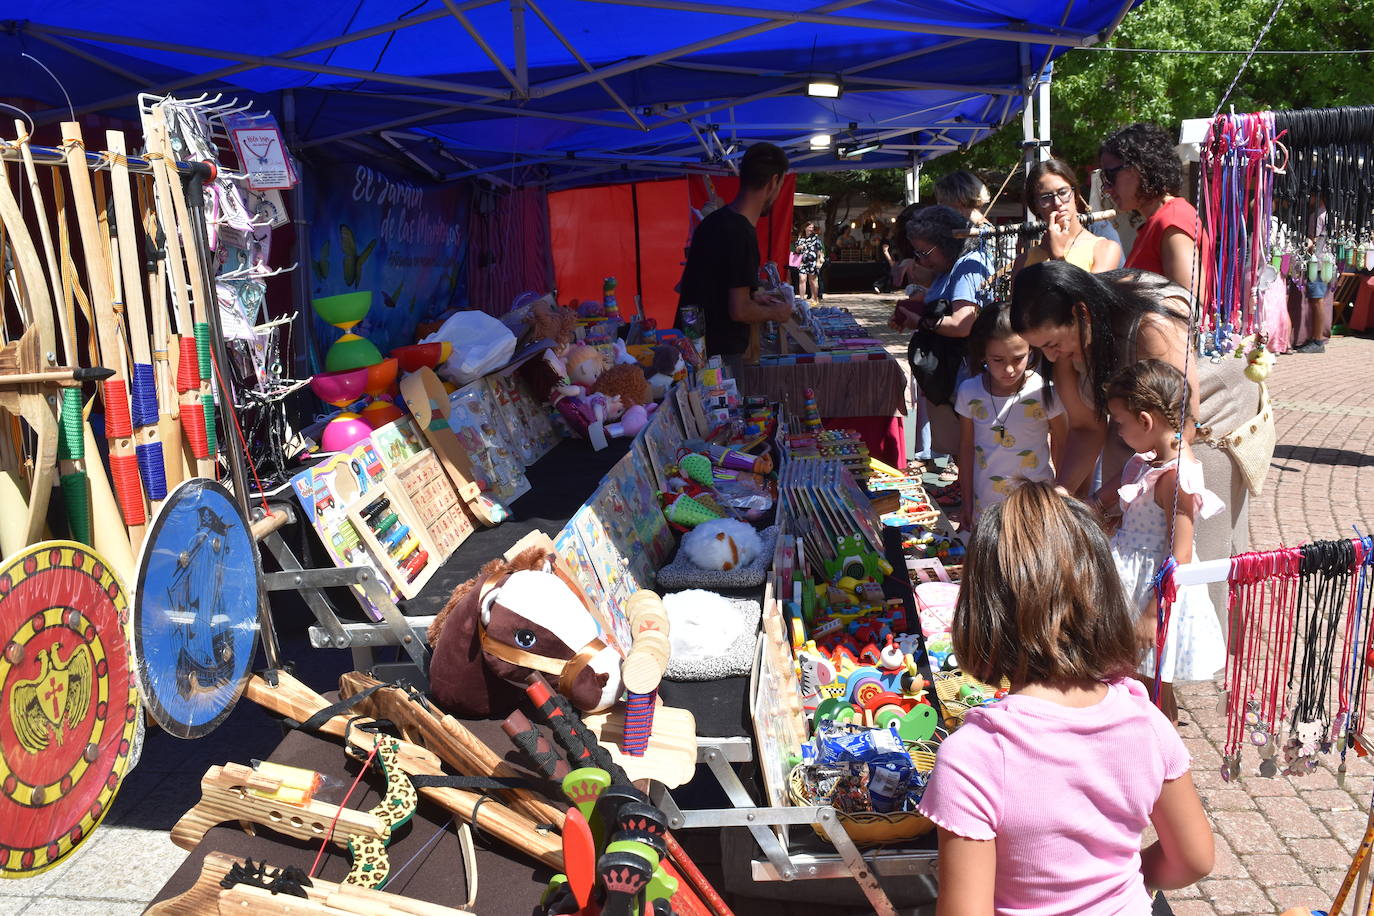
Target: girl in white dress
x: 1163, y: 496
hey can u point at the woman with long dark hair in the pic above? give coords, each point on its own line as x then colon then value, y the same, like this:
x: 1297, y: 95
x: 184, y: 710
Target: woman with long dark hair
x: 1090, y: 325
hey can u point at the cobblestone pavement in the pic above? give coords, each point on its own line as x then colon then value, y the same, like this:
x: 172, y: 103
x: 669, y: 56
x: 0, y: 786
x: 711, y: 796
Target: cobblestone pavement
x: 1285, y: 841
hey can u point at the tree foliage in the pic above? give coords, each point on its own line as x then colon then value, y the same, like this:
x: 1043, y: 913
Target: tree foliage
x: 1095, y: 92
x: 845, y: 187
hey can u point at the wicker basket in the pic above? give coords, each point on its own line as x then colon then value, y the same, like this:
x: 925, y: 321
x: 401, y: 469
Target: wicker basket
x: 947, y: 687
x: 870, y: 828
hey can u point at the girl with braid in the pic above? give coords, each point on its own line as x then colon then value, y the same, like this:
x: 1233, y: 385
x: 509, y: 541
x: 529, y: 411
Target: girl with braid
x: 1162, y: 496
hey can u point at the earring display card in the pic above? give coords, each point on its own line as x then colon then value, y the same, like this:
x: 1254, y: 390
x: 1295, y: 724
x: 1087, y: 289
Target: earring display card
x: 324, y: 491
x: 396, y: 538
x: 433, y: 502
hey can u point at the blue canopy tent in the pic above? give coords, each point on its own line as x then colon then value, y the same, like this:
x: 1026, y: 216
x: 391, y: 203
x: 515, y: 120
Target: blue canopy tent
x: 566, y: 92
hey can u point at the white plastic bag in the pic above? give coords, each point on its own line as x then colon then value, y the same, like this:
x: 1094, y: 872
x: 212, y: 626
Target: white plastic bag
x: 481, y: 344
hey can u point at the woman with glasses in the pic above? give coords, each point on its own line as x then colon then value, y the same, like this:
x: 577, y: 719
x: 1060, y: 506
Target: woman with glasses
x: 1051, y: 192
x: 942, y: 326
x: 1141, y: 171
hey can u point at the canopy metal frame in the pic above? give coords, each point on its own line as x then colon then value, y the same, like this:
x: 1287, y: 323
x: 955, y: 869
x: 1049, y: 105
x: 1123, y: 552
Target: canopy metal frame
x: 513, y: 89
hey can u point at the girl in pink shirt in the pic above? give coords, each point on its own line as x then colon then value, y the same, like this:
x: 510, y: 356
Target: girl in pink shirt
x: 1042, y: 797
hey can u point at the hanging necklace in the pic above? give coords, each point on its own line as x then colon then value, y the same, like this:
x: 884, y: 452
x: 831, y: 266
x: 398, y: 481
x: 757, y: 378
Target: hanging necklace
x: 999, y: 415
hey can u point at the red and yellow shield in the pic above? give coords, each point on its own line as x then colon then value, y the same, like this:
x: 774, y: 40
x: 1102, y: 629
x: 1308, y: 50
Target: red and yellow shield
x: 68, y: 706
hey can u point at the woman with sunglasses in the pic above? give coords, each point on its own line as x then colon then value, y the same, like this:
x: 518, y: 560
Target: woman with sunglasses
x: 1051, y: 191
x: 951, y: 304
x: 1141, y: 171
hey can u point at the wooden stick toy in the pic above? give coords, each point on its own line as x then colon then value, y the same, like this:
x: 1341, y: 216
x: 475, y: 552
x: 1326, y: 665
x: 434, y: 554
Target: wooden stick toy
x: 292, y: 698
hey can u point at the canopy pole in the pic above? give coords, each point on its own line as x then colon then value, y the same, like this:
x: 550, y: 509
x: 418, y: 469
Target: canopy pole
x: 303, y: 357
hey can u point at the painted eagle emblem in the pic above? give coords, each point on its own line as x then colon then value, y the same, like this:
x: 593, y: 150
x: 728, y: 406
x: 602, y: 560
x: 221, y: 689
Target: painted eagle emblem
x: 56, y: 700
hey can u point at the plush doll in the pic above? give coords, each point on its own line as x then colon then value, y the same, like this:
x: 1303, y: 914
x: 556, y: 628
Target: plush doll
x: 634, y: 419
x: 725, y: 543
x: 584, y: 366
x: 515, y: 617
x: 626, y: 382
x: 665, y: 367
x: 548, y: 320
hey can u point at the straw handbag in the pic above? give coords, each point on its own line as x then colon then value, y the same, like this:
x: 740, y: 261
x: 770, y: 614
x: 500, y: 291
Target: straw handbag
x: 1251, y: 445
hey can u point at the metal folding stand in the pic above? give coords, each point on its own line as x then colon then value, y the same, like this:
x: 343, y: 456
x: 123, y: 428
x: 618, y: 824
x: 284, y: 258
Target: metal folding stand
x: 394, y: 629
x: 779, y: 862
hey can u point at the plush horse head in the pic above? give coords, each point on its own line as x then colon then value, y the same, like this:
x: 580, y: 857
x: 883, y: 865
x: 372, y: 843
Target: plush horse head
x: 515, y: 617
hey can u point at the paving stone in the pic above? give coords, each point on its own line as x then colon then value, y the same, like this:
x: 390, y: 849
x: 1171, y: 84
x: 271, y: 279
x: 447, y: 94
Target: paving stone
x: 1189, y: 907
x: 1291, y: 817
x: 1259, y: 787
x: 1348, y: 826
x: 80, y: 906
x: 1328, y: 800
x: 1329, y: 880
x: 1319, y: 854
x: 1226, y: 864
x: 1231, y: 896
x: 1303, y: 895
x: 1274, y: 868
x: 1191, y: 892
x: 1247, y: 832
x: 1226, y: 799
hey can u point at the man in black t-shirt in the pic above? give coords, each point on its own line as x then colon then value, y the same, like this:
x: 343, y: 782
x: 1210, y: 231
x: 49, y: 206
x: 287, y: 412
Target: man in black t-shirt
x: 722, y: 272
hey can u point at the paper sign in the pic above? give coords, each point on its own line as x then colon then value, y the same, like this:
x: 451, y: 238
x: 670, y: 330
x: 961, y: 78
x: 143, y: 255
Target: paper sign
x: 263, y: 155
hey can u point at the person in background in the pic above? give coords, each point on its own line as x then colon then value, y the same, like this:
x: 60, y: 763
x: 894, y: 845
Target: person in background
x: 1318, y: 291
x: 1164, y: 496
x: 906, y: 272
x: 811, y: 247
x: 950, y: 305
x: 722, y: 272
x: 887, y: 263
x: 1042, y: 797
x: 1051, y: 192
x: 847, y: 239
x: 1141, y: 171
x: 1007, y: 421
x: 966, y: 193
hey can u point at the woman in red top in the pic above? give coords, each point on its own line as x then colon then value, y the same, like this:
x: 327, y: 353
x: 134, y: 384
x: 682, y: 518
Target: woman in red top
x: 1141, y: 171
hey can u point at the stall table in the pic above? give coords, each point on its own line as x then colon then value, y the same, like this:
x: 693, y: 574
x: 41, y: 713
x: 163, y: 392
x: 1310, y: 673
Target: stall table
x: 870, y: 396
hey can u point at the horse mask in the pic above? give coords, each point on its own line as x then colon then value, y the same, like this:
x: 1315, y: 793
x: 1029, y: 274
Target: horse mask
x: 514, y: 617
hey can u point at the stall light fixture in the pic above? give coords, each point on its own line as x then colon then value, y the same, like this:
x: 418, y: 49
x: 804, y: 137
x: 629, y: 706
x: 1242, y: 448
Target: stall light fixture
x: 824, y: 87
x: 857, y: 149
x: 820, y: 141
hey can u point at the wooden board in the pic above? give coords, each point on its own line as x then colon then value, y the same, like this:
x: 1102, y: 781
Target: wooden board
x: 671, y: 757
x: 429, y: 493
x: 400, y: 577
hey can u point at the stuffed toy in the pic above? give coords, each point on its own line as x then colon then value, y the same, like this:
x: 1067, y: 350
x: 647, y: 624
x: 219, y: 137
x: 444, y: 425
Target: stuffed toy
x: 724, y: 543
x: 665, y: 367
x: 584, y: 366
x: 701, y: 624
x: 514, y: 617
x: 626, y: 382
x: 549, y: 320
x: 633, y: 420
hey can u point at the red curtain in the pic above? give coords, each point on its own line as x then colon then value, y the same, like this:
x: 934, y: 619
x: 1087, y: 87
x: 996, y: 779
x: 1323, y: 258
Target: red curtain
x: 593, y: 235
x: 508, y: 247
x: 775, y: 229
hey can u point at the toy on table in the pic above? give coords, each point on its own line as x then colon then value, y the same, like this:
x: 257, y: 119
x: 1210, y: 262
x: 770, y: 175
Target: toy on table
x: 434, y: 414
x: 722, y: 544
x: 643, y: 668
x: 521, y: 613
x: 811, y: 415
x: 608, y: 301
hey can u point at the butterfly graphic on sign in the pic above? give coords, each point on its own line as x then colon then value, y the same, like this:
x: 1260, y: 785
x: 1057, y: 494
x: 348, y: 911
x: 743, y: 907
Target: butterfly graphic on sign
x: 259, y: 146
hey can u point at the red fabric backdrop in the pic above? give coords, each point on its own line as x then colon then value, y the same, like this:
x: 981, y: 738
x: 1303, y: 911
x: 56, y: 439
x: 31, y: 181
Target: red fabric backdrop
x: 592, y: 231
x: 508, y: 247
